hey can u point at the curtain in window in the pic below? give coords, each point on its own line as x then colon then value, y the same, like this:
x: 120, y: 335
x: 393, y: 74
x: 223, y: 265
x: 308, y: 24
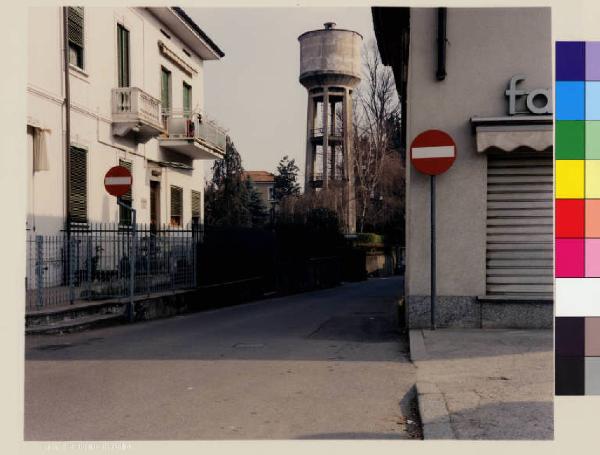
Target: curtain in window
x: 40, y: 151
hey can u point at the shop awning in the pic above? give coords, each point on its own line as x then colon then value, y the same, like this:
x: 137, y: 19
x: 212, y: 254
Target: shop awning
x: 533, y: 132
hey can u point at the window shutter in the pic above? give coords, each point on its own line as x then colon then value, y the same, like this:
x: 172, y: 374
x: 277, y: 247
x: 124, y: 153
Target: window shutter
x: 123, y: 55
x: 196, y: 204
x: 127, y: 198
x: 165, y: 89
x: 78, y: 185
x: 176, y: 201
x: 75, y: 21
x: 187, y: 97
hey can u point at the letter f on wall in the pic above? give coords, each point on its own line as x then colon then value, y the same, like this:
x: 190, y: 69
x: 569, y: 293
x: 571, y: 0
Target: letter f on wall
x: 512, y: 93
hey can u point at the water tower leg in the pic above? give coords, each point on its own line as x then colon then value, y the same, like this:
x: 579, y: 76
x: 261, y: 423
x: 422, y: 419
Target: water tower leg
x: 348, y: 160
x: 325, y: 137
x: 310, y: 149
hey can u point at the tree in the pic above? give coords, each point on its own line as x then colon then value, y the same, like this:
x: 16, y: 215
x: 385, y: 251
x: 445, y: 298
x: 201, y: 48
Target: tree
x: 256, y: 207
x: 286, y: 183
x: 226, y: 196
x: 375, y: 134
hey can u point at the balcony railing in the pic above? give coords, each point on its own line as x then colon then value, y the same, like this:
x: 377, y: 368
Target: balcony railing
x: 136, y: 110
x: 335, y: 132
x: 192, y: 126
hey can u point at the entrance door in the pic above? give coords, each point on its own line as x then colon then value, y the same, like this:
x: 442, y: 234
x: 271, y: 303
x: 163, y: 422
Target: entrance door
x: 154, y: 204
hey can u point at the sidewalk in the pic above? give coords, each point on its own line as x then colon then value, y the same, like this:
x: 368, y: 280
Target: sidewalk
x: 484, y: 383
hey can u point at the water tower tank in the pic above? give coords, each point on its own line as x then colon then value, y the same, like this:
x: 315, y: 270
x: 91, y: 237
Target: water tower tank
x: 330, y: 56
x: 330, y: 68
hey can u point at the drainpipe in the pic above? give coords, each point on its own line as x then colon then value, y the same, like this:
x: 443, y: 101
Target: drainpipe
x: 441, y: 44
x: 67, y: 114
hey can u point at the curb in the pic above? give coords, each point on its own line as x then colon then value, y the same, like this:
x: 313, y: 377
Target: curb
x: 432, y: 404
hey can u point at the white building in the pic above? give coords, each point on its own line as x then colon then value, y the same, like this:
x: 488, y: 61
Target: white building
x: 484, y: 76
x: 135, y: 88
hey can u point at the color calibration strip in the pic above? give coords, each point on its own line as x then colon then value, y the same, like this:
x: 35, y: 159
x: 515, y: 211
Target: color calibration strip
x: 577, y: 218
x: 577, y: 356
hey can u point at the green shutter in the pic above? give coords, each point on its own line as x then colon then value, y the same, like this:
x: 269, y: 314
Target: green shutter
x: 75, y: 23
x: 127, y: 198
x: 165, y: 89
x: 75, y: 27
x: 187, y: 97
x: 78, y: 185
x: 123, y: 55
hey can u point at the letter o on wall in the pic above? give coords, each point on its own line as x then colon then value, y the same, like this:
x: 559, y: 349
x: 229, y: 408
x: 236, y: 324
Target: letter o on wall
x: 538, y: 93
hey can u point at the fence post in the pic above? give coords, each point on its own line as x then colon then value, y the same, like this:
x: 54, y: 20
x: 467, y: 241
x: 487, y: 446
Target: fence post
x: 39, y: 269
x: 195, y: 230
x: 71, y: 269
x: 89, y: 267
x: 132, y: 266
x: 147, y: 235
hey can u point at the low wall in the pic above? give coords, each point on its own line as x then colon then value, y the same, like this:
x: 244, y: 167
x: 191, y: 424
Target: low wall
x: 472, y: 312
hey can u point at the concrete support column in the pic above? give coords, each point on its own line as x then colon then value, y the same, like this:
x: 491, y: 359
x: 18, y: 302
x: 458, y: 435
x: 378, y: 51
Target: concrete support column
x: 310, y: 148
x: 325, y: 136
x: 348, y: 153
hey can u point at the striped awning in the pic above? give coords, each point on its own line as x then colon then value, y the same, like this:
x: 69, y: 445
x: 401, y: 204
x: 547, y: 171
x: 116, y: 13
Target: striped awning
x: 513, y: 133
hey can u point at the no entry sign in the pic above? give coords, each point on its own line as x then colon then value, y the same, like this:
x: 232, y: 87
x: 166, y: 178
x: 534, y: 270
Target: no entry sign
x: 117, y: 181
x: 432, y: 152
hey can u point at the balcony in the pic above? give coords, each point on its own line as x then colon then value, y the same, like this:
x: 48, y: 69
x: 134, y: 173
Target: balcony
x: 336, y: 134
x: 192, y: 135
x: 135, y: 112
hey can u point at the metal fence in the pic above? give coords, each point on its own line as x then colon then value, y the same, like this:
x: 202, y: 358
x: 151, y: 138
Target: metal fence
x: 105, y: 261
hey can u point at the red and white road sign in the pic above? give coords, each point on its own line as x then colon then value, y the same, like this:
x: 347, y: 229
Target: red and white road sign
x: 432, y: 152
x: 118, y: 180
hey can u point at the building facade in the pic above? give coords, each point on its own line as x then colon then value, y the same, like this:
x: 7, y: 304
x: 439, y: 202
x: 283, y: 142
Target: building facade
x: 264, y: 183
x: 129, y: 90
x: 484, y: 76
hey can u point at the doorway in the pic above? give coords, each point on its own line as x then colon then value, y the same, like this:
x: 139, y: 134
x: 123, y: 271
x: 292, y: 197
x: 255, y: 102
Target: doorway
x: 154, y: 205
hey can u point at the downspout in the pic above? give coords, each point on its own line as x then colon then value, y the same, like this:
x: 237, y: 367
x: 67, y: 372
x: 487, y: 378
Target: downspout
x: 67, y: 115
x: 441, y: 44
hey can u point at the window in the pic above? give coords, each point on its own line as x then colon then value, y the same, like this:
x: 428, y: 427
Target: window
x: 75, y: 22
x: 271, y: 194
x: 123, y: 55
x: 187, y: 98
x: 176, y: 206
x: 78, y: 185
x: 127, y: 198
x: 165, y: 89
x: 196, y: 206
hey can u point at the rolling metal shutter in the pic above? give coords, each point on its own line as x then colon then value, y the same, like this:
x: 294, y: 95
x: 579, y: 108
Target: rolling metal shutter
x: 78, y: 185
x: 519, y: 225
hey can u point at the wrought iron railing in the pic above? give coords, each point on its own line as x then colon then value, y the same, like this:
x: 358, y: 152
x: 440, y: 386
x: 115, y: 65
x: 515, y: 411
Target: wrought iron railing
x: 195, y: 125
x: 92, y: 262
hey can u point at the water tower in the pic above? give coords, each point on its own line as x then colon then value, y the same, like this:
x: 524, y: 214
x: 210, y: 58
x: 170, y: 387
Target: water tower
x: 330, y: 68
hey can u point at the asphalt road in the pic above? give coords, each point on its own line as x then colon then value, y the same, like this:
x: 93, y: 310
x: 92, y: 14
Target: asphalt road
x: 323, y: 365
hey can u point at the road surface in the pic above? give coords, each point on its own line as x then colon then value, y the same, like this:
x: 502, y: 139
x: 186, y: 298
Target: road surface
x: 322, y: 365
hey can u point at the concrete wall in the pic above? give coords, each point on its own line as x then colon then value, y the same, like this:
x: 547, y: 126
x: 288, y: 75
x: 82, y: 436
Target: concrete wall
x: 91, y: 112
x: 486, y: 47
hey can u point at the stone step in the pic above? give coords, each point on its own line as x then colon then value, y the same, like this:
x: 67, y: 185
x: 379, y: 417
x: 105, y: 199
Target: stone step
x: 75, y: 324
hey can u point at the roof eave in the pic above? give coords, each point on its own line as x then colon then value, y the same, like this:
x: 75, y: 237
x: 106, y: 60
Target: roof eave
x: 180, y: 24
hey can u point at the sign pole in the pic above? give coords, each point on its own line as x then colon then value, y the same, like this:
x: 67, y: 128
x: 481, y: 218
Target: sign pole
x: 433, y: 268
x: 131, y: 309
x: 432, y: 153
x: 117, y: 182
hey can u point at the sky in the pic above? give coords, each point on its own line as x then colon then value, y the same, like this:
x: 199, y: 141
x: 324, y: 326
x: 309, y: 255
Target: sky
x: 254, y: 91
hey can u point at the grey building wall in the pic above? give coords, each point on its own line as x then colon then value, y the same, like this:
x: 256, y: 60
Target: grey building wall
x: 487, y: 46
